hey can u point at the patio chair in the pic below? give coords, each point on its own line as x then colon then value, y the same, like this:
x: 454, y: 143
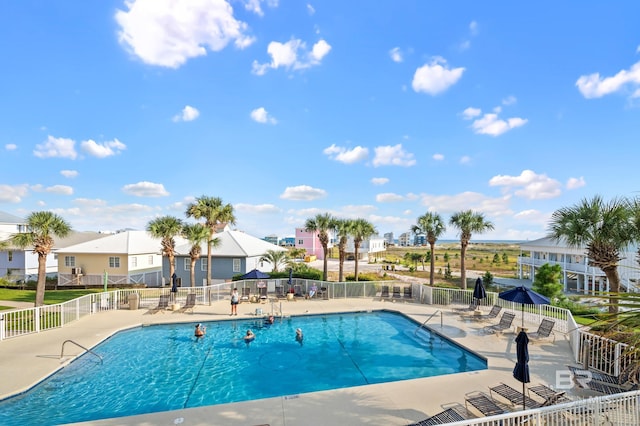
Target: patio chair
x: 548, y: 394
x: 189, y: 304
x: 262, y: 293
x: 493, y: 313
x: 246, y: 294
x: 483, y: 403
x: 385, y: 291
x: 163, y: 304
x: 297, y: 291
x: 280, y: 292
x: 545, y: 330
x: 396, y: 292
x: 513, y: 395
x: 449, y: 415
x: 505, y: 323
x: 601, y: 382
x: 465, y: 310
x: 407, y: 293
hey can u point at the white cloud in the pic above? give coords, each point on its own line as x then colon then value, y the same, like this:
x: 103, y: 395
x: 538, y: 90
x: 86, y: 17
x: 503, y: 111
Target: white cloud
x: 292, y: 55
x: 56, y: 147
x: 69, y: 173
x: 389, y: 197
x: 167, y: 33
x: 145, y: 189
x: 531, y: 185
x: 436, y: 77
x: 13, y: 194
x: 470, y: 113
x: 446, y: 204
x: 255, y: 6
x: 509, y: 100
x: 490, y: 124
x: 575, y: 183
x: 303, y: 193
x: 11, y: 147
x: 379, y: 181
x: 59, y: 189
x: 346, y: 156
x: 104, y: 149
x: 438, y: 157
x: 256, y: 208
x: 465, y: 159
x: 594, y: 86
x: 396, y: 54
x: 188, y: 113
x: 393, y: 156
x: 310, y: 9
x: 261, y: 115
x: 473, y: 28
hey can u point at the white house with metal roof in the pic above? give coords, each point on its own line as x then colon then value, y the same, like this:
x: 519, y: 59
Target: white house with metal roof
x: 577, y: 274
x: 236, y: 253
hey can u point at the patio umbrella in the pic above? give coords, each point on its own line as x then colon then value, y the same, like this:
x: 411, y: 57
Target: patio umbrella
x: 521, y: 370
x: 525, y: 296
x: 478, y: 291
x: 254, y: 275
x: 174, y: 286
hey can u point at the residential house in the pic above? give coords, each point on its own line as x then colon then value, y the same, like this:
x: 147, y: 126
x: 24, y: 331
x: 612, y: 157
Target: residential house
x: 388, y: 238
x: 273, y: 239
x: 310, y: 241
x: 577, y: 275
x: 129, y: 257
x: 404, y: 240
x: 236, y: 253
x: 368, y: 248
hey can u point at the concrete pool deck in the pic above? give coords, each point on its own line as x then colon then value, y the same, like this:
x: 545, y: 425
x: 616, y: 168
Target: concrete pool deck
x: 26, y: 360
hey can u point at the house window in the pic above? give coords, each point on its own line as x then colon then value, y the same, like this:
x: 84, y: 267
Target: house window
x: 300, y: 242
x: 151, y: 259
x: 236, y: 265
x: 203, y: 264
x: 114, y: 262
x: 10, y: 254
x: 70, y: 261
x: 134, y: 262
x: 187, y: 264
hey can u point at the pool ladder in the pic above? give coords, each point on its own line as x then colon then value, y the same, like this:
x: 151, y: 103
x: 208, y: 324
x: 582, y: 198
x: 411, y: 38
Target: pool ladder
x: 79, y: 345
x: 427, y: 320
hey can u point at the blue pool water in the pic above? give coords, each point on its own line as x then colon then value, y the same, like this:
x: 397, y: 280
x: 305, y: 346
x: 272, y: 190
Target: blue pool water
x: 163, y: 367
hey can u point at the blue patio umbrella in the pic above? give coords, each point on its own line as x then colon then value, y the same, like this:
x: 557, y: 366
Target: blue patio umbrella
x: 521, y: 370
x: 254, y: 275
x: 174, y: 285
x: 524, y: 296
x: 479, y: 291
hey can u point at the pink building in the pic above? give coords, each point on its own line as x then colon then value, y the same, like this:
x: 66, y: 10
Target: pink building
x: 309, y: 241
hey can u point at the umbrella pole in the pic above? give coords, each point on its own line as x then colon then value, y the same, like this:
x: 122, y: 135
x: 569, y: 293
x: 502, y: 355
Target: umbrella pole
x: 523, y: 397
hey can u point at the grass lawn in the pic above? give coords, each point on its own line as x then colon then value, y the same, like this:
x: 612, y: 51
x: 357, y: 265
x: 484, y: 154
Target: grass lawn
x: 51, y: 297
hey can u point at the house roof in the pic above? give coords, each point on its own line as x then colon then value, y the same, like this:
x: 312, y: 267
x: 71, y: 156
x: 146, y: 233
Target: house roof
x: 10, y: 219
x: 129, y: 242
x: 232, y: 244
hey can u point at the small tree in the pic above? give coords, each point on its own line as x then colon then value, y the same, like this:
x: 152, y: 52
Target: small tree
x: 548, y: 281
x: 487, y: 278
x: 505, y: 258
x: 496, y: 259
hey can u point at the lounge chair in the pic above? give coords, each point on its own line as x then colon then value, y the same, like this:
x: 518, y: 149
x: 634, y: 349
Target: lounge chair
x: 297, y: 291
x: 385, y: 291
x: 548, y: 394
x: 396, y: 292
x: 465, y: 310
x: 262, y: 293
x: 514, y: 396
x: 324, y: 292
x: 505, y: 323
x: 246, y: 294
x: 163, y: 305
x: 601, y: 382
x: 483, y: 403
x: 189, y: 304
x: 407, y: 293
x: 493, y: 313
x: 449, y: 415
x: 544, y: 331
x: 280, y: 292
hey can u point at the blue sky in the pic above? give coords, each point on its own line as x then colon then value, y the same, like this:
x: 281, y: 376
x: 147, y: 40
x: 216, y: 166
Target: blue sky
x: 115, y: 112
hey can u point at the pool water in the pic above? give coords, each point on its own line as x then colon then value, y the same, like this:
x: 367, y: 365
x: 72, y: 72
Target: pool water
x: 163, y: 367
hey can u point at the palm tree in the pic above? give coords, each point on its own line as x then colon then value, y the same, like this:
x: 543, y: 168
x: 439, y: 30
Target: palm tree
x: 214, y: 213
x: 196, y: 234
x: 432, y: 225
x: 605, y: 229
x: 275, y: 257
x: 360, y: 229
x: 468, y: 222
x: 322, y: 224
x: 42, y: 227
x: 342, y: 229
x: 166, y: 228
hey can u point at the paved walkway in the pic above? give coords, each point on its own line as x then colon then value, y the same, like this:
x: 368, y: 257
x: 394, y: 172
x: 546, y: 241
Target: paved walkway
x: 26, y: 360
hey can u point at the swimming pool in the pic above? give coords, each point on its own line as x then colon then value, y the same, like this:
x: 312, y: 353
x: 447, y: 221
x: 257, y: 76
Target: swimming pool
x: 163, y: 367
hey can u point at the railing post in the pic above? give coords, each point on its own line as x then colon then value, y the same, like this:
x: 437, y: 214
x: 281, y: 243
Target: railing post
x: 1, y: 327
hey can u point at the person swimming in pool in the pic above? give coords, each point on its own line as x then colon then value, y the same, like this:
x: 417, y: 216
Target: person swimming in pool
x: 269, y: 320
x: 299, y: 336
x: 248, y: 338
x: 200, y: 331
